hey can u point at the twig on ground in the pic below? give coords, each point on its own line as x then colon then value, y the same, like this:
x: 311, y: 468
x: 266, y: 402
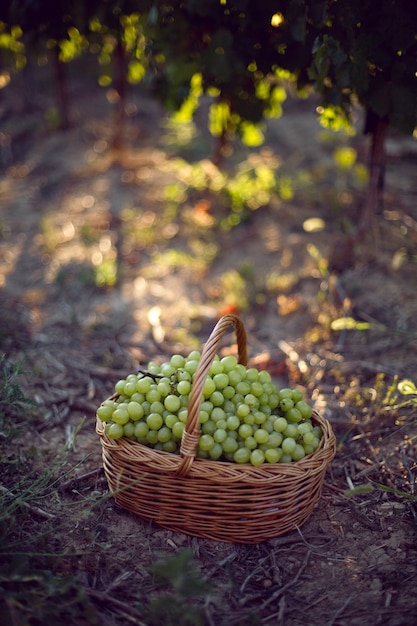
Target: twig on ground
x: 128, y: 612
x: 283, y: 589
x: 340, y: 610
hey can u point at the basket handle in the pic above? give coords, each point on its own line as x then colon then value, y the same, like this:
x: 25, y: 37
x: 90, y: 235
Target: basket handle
x: 191, y: 435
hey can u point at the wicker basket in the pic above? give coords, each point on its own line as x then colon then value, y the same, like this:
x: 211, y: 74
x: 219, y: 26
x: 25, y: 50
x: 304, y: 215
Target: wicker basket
x: 215, y: 500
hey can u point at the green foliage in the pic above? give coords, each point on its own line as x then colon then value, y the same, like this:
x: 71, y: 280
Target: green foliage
x: 180, y: 591
x: 12, y: 398
x: 366, y: 51
x: 242, y: 54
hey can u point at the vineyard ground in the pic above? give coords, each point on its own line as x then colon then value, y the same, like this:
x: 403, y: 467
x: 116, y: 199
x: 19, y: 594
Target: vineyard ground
x: 74, y: 208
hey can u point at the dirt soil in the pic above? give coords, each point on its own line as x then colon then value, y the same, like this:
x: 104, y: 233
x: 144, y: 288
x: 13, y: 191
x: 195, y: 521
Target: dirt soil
x: 77, y: 212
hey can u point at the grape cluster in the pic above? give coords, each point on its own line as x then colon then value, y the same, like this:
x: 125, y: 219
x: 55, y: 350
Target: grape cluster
x: 244, y: 417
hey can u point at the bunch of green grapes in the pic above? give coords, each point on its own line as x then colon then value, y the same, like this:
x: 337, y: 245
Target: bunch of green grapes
x: 244, y: 417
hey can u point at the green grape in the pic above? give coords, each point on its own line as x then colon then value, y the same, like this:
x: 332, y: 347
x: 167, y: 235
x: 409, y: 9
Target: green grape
x: 137, y: 397
x: 221, y: 381
x: 221, y: 424
x: 217, y: 398
x: 286, y: 458
x: 259, y: 417
x: 141, y: 430
x: 157, y: 407
x: 105, y: 412
x: 264, y: 408
x: 153, y: 368
x: 164, y: 386
x: 274, y: 440
x: 203, y: 417
x: 241, y: 369
x: 305, y: 427
x: 251, y: 400
x: 191, y: 366
x: 182, y: 375
x: 316, y: 443
x: 286, y: 404
x: 154, y: 421
x: 249, y: 419
x: 309, y: 438
x: 229, y: 363
x: 178, y: 429
x: 184, y: 387
x: 129, y: 430
x: 206, y: 442
x: 250, y: 443
x: 298, y: 453
x: 261, y: 435
x: 257, y: 457
x: 215, y: 452
x: 119, y: 386
x: 242, y: 410
x: 129, y: 388
x: 229, y: 392
x: 243, y: 388
x: 293, y: 415
x: 318, y: 432
x: 291, y: 431
x: 177, y: 361
x: 217, y: 414
x: 153, y: 394
x: 256, y: 389
x: 121, y: 415
x: 297, y: 395
x: 114, y: 431
x: 234, y: 377
x: 280, y: 424
x: 305, y: 409
x: 143, y: 385
x: 135, y: 411
x: 209, y: 427
x: 285, y: 393
x: 167, y: 369
x: 288, y: 445
x: 237, y: 399
x: 245, y: 431
x: 164, y: 434
x: 242, y: 455
x: 232, y: 422
x: 182, y: 415
x: 264, y: 377
x: 216, y: 367
x: 252, y: 374
x: 169, y: 446
x: 146, y: 406
x: 172, y: 403
x: 152, y: 436
x: 273, y: 455
x: 193, y: 356
x: 230, y: 444
x: 170, y: 419
x: 209, y: 387
x: 220, y: 435
x: 207, y: 406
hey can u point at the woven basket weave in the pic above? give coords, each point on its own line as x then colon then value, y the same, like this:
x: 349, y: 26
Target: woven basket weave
x: 215, y: 500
